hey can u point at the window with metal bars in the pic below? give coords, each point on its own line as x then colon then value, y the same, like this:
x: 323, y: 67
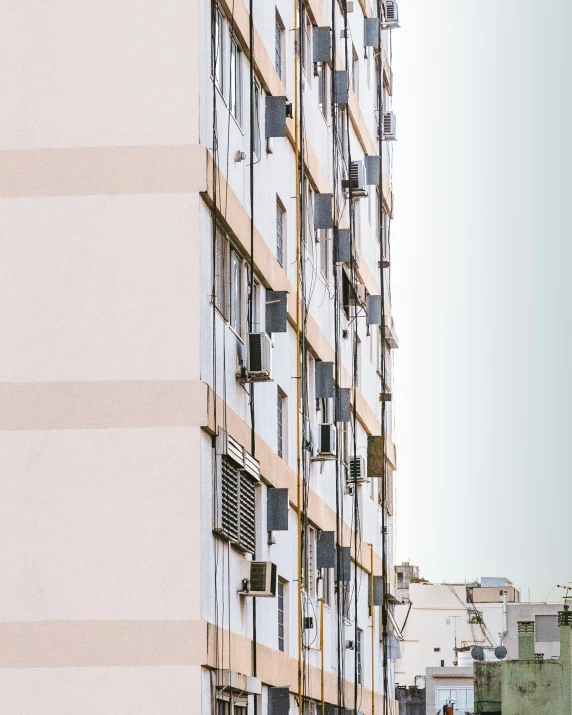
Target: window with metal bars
x: 278, y: 45
x: 280, y: 424
x: 280, y: 216
x: 237, y: 505
x: 235, y: 80
x: 281, y: 616
x: 359, y: 633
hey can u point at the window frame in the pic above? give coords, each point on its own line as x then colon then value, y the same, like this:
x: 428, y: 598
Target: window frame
x: 279, y: 46
x: 280, y: 232
x: 359, y: 656
x: 218, y: 57
x: 235, y: 80
x: 281, y: 424
x: 282, y: 618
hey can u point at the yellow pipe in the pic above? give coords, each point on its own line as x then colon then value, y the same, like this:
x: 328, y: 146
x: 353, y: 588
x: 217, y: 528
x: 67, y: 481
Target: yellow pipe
x: 298, y: 361
x: 322, y: 685
x: 372, y: 601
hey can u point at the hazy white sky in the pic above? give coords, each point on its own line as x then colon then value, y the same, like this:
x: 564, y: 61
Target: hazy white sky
x: 481, y: 259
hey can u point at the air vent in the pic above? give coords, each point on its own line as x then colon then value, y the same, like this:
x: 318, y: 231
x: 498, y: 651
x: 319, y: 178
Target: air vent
x: 259, y: 357
x: 357, y: 470
x: 327, y: 441
x: 357, y: 181
x: 261, y: 582
x: 389, y: 127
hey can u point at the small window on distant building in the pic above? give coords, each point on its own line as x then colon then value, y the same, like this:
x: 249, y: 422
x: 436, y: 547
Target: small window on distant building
x: 437, y: 650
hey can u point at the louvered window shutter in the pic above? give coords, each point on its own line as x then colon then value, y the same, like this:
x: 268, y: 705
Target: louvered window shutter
x: 247, y: 514
x: 230, y: 499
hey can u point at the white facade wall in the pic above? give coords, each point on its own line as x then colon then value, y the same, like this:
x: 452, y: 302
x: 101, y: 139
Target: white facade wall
x: 438, y: 613
x: 113, y: 579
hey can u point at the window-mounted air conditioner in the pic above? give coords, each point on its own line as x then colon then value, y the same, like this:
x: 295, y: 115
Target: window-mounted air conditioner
x: 391, y: 15
x: 357, y: 470
x: 357, y: 181
x: 259, y: 357
x: 327, y: 441
x: 260, y: 581
x: 389, y: 127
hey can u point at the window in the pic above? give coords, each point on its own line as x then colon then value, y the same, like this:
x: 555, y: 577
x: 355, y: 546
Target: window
x: 235, y: 291
x: 230, y: 704
x: 359, y: 633
x: 358, y: 361
x: 346, y: 600
x: 463, y: 699
x: 217, y: 57
x: 323, y: 89
x: 228, y: 282
x: 324, y: 245
x: 235, y: 81
x: 281, y: 615
x: 310, y: 580
x: 280, y: 226
x: 278, y: 45
x: 236, y: 505
x: 281, y: 415
x: 355, y: 71
x: 257, y: 100
x: 327, y: 586
x: 222, y: 272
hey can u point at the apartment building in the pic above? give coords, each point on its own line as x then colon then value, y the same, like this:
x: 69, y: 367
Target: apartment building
x: 196, y: 375
x: 441, y: 622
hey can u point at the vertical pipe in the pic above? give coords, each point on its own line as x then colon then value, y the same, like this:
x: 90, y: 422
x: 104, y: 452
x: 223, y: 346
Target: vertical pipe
x: 322, y: 684
x: 298, y: 358
x: 372, y: 606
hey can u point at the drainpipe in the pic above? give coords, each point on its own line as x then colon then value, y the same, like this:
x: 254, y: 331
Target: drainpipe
x: 526, y: 640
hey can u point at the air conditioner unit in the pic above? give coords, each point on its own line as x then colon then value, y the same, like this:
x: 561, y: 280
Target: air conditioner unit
x: 357, y: 470
x: 389, y: 127
x: 261, y: 580
x: 259, y: 357
x: 327, y: 441
x: 357, y: 181
x: 391, y: 15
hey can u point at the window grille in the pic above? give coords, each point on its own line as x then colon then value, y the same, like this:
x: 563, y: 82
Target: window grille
x: 279, y: 234
x: 281, y: 634
x: 235, y: 81
x: 358, y: 656
x: 280, y: 430
x: 278, y: 47
x: 237, y: 520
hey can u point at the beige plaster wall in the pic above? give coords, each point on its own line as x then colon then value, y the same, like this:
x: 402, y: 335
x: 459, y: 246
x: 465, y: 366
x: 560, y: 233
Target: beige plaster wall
x: 84, y: 286
x: 100, y: 524
x: 102, y: 73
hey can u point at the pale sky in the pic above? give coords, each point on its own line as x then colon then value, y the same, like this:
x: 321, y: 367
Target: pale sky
x: 481, y: 259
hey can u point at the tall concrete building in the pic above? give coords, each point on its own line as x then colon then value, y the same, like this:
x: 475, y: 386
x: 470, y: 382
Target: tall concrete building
x: 197, y: 432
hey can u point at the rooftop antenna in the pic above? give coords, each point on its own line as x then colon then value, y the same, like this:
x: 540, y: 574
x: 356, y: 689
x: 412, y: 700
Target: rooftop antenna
x: 567, y: 588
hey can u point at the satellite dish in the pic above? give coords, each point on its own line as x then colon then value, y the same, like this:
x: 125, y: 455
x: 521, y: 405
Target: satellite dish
x: 477, y: 653
x: 448, y: 622
x: 500, y: 652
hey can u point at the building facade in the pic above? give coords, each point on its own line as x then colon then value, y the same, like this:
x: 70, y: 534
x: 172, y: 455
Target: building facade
x: 528, y: 684
x: 197, y: 435
x: 440, y: 622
